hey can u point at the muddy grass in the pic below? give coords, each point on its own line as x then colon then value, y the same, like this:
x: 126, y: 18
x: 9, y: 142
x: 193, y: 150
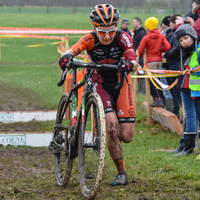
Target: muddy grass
x: 28, y: 173
x: 19, y: 99
x: 33, y: 126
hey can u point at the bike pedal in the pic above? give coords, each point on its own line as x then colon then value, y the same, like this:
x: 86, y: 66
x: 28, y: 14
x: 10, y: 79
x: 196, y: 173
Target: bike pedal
x: 53, y: 149
x: 60, y: 127
x: 59, y: 139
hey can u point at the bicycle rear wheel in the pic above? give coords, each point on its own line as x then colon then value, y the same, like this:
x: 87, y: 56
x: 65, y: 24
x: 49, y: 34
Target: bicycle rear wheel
x: 63, y: 160
x: 92, y: 146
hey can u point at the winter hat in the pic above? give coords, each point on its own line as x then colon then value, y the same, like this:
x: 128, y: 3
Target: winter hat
x: 151, y: 23
x: 186, y: 29
x: 166, y: 20
x: 197, y: 1
x: 125, y: 20
x: 173, y: 17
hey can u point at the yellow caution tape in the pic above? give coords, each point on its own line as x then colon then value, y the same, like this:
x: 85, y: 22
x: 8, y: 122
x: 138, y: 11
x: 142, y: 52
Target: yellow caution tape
x: 154, y: 75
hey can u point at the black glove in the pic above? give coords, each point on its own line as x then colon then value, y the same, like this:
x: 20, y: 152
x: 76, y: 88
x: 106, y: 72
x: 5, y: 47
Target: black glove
x: 65, y: 60
x: 125, y: 66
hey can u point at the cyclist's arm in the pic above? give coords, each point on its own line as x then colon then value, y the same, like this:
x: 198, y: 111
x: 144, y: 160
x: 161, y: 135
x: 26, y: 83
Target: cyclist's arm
x: 86, y: 42
x: 126, y: 43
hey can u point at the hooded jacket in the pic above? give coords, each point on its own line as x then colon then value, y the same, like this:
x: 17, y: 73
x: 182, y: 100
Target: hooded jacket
x: 137, y: 37
x: 155, y: 43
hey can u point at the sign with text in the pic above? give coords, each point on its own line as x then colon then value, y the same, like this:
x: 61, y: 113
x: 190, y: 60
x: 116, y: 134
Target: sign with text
x: 6, y: 117
x: 14, y: 140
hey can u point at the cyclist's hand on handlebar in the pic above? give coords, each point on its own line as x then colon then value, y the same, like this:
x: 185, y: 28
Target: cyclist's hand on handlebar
x: 125, y: 66
x: 64, y: 61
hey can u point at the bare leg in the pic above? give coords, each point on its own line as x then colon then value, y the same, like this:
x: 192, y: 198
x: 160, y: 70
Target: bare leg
x: 113, y: 141
x: 126, y: 131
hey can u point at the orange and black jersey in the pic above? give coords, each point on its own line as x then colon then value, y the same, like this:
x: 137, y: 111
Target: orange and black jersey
x: 90, y: 42
x: 106, y: 54
x: 105, y: 81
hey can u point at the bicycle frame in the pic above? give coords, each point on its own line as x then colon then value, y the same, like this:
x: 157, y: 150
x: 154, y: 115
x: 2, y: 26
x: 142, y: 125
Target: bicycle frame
x: 75, y: 121
x: 87, y: 81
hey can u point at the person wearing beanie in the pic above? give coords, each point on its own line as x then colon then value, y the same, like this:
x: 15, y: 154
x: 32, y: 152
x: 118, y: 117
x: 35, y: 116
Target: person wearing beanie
x: 187, y: 38
x: 151, y: 23
x: 155, y: 43
x: 124, y: 26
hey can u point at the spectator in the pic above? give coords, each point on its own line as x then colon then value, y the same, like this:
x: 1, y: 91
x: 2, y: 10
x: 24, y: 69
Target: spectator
x: 155, y: 43
x: 192, y: 15
x: 191, y: 21
x: 173, y: 65
x: 187, y: 37
x: 138, y: 34
x: 124, y: 26
x: 174, y: 53
x: 167, y: 33
x: 161, y: 27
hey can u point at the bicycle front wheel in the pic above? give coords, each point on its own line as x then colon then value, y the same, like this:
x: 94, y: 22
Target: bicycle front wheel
x: 63, y: 160
x: 92, y: 146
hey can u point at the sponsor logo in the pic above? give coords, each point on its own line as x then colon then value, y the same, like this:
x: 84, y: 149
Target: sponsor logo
x: 125, y: 40
x: 98, y: 53
x: 74, y: 113
x: 132, y: 112
x: 14, y: 140
x: 108, y: 61
x: 108, y: 103
x: 74, y: 120
x: 120, y: 113
x: 86, y: 39
x: 107, y: 110
x: 126, y: 120
x: 116, y: 52
x: 130, y: 95
x: 7, y: 117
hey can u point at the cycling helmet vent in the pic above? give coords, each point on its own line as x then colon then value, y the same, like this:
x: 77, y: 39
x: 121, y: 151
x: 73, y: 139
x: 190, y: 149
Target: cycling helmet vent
x: 104, y: 15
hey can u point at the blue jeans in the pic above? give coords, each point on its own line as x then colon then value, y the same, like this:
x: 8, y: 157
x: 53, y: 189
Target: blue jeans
x: 191, y: 113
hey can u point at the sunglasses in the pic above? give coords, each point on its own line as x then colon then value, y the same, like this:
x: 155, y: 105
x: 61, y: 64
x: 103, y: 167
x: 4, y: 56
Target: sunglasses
x: 104, y: 32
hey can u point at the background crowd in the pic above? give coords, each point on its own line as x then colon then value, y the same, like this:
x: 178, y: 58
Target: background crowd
x: 174, y: 46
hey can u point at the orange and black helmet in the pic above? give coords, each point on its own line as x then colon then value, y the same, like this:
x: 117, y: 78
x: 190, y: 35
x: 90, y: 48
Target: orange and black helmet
x: 104, y: 15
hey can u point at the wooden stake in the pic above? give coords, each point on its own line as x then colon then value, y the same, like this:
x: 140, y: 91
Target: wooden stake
x: 147, y: 85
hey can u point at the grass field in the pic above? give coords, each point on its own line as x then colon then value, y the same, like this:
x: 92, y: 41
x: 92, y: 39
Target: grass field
x: 28, y: 173
x: 36, y: 67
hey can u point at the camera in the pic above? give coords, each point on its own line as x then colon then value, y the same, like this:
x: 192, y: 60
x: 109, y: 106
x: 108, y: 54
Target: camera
x: 184, y: 20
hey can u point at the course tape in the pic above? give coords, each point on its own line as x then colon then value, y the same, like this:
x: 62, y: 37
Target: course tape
x: 17, y: 35
x: 163, y: 86
x: 6, y: 30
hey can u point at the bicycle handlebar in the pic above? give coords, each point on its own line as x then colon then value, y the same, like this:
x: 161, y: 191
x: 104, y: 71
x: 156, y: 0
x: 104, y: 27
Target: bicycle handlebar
x: 79, y: 64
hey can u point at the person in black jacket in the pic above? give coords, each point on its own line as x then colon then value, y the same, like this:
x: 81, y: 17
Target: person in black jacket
x: 138, y: 34
x: 167, y: 32
x: 124, y: 26
x: 173, y: 65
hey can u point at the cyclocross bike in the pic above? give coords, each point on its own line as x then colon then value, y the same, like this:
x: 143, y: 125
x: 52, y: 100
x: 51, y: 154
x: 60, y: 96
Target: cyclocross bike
x: 70, y: 138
